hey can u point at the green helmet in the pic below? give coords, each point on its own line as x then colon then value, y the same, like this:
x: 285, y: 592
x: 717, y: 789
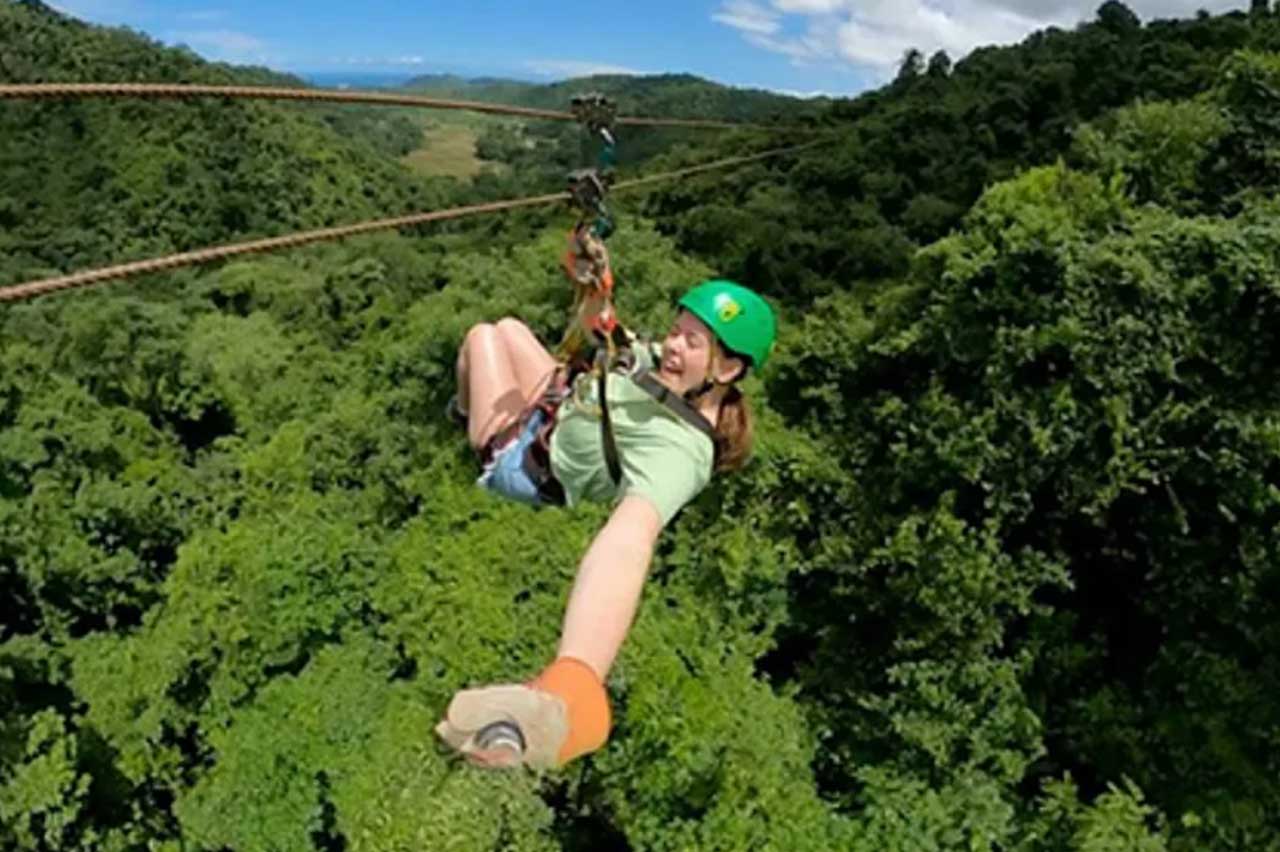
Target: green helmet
x: 743, y: 322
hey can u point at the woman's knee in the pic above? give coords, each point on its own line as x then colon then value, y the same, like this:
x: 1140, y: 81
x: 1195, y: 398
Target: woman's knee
x: 510, y: 326
x: 524, y: 346
x: 477, y: 332
x: 469, y: 341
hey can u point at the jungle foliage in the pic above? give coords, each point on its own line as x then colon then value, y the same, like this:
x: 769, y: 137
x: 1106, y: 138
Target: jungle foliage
x: 912, y: 157
x: 1003, y: 575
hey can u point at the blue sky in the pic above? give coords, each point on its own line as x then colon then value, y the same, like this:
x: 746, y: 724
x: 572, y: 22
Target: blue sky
x: 797, y: 46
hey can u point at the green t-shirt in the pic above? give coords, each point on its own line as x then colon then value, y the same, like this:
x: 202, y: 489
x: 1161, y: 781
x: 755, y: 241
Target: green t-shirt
x: 664, y: 459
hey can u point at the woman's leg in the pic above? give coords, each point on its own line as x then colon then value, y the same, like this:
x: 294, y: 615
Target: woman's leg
x: 531, y: 361
x: 488, y: 389
x: 502, y: 368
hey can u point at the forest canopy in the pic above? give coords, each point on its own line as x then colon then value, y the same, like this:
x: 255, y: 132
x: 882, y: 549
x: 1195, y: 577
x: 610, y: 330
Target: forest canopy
x: 1004, y: 573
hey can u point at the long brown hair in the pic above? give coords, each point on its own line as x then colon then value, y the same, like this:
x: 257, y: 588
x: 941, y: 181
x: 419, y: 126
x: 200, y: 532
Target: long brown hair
x: 734, y: 431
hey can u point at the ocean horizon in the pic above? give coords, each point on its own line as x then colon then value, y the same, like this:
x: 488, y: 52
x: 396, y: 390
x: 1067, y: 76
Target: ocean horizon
x: 356, y: 79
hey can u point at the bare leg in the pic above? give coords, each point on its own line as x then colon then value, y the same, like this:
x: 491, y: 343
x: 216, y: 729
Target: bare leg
x: 502, y: 369
x: 488, y: 389
x: 531, y: 361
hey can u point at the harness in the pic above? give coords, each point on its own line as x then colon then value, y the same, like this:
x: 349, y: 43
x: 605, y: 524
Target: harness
x: 537, y: 457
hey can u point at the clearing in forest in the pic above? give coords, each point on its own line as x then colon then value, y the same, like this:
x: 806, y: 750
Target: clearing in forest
x: 448, y: 150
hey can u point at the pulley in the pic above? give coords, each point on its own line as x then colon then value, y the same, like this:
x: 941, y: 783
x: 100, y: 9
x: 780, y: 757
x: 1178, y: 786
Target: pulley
x: 597, y: 112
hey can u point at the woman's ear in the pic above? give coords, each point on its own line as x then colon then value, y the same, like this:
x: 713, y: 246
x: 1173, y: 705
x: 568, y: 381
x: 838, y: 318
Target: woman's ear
x: 728, y: 368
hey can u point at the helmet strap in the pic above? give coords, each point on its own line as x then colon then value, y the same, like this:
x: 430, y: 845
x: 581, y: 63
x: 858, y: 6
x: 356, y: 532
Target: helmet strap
x: 709, y: 383
x: 700, y: 391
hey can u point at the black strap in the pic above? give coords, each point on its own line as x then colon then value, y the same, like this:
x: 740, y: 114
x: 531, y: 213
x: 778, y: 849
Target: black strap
x: 611, y: 459
x: 537, y: 456
x: 675, y: 403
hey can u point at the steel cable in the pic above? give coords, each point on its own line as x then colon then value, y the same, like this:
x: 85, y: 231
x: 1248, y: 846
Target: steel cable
x: 102, y: 275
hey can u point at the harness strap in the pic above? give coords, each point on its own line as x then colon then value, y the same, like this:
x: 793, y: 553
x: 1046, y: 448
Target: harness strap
x: 538, y: 463
x: 537, y: 456
x: 607, y: 440
x: 675, y: 402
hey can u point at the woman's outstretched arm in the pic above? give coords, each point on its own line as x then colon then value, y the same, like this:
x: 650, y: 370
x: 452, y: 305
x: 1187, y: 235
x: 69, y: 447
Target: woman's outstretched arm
x: 606, y: 592
x: 564, y: 712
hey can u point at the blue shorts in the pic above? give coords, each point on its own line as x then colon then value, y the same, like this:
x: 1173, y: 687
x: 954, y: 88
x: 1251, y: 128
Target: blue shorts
x: 505, y: 474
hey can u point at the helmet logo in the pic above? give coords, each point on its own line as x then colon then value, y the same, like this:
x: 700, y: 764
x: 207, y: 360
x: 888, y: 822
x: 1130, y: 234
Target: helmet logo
x: 727, y: 309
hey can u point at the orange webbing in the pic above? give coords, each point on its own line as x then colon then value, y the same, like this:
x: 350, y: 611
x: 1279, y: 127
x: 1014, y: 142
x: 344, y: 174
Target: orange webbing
x: 576, y: 684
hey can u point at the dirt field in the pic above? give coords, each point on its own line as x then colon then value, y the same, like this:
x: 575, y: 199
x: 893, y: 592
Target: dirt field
x: 449, y: 151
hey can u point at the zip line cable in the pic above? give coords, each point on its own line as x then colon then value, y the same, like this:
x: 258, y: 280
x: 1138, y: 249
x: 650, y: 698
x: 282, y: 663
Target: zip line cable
x: 720, y: 164
x: 209, y: 255
x: 48, y: 91
x: 19, y: 292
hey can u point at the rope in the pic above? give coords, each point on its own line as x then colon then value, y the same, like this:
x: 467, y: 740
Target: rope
x: 185, y: 90
x: 720, y: 164
x: 209, y: 255
x: 90, y: 277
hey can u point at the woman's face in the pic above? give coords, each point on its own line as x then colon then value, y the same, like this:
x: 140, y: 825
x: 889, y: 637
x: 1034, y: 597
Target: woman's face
x: 686, y: 353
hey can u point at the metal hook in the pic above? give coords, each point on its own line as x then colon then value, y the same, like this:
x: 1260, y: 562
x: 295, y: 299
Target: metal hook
x: 505, y: 735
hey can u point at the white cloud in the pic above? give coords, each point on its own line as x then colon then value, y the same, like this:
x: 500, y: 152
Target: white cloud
x: 382, y: 61
x: 872, y: 35
x: 203, y: 16
x: 880, y: 35
x: 820, y: 93
x: 564, y: 68
x: 96, y: 10
x: 748, y: 17
x: 810, y: 7
x: 801, y: 50
x: 223, y: 45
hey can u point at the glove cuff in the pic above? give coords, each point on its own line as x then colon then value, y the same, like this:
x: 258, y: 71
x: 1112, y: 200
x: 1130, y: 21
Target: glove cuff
x: 577, y: 685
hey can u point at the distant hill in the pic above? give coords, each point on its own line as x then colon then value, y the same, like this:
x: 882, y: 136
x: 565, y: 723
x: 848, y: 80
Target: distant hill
x: 539, y: 152
x: 668, y: 95
x: 87, y: 181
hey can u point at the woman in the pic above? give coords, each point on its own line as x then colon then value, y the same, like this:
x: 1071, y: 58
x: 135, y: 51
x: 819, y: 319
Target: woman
x: 674, y: 416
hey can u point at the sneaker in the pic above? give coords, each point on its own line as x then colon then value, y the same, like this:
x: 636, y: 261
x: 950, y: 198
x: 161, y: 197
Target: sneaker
x: 454, y: 412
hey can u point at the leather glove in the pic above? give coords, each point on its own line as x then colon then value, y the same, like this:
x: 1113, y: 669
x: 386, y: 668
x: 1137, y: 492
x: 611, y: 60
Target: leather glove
x: 563, y: 714
x: 536, y: 725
